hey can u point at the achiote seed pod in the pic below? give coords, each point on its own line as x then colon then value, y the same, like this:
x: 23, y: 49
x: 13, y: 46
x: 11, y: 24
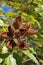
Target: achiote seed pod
x: 4, y: 35
x: 12, y: 43
x: 31, y: 32
x: 17, y: 22
x: 18, y: 19
x: 16, y: 41
x: 23, y: 44
x: 22, y: 31
x: 27, y: 25
x: 17, y: 33
x: 11, y: 30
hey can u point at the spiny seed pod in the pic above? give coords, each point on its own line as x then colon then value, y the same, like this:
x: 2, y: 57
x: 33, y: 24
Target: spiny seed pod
x: 17, y: 33
x: 17, y: 22
x: 16, y: 25
x: 22, y: 31
x: 18, y: 19
x: 22, y: 40
x: 27, y: 25
x: 11, y: 29
x: 31, y: 32
x: 24, y: 46
x: 10, y: 34
x: 16, y: 41
x: 11, y: 44
x: 4, y: 35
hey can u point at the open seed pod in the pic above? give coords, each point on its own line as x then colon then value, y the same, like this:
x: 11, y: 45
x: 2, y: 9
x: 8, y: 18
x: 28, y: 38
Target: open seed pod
x: 22, y: 31
x: 27, y: 25
x: 11, y: 30
x: 17, y: 22
x: 12, y: 43
x: 17, y: 33
x: 23, y: 44
x: 4, y: 35
x: 31, y: 32
x: 18, y: 19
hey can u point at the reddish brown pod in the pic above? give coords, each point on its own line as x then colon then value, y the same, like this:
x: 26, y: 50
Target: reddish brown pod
x: 22, y: 31
x: 17, y: 33
x: 31, y: 32
x: 11, y: 30
x: 23, y: 45
x: 16, y: 41
x: 4, y: 35
x: 27, y: 25
x: 18, y: 19
x: 17, y: 22
x: 12, y: 43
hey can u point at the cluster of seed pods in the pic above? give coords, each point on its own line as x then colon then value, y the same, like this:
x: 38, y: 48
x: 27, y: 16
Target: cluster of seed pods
x: 17, y: 30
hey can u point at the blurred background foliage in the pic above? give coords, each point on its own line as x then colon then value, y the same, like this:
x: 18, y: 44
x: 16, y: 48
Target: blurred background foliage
x: 30, y: 11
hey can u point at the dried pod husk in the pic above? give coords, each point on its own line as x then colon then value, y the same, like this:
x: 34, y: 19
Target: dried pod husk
x: 22, y: 31
x: 11, y: 44
x: 24, y: 46
x: 10, y: 34
x: 27, y: 25
x: 18, y: 19
x: 22, y: 40
x: 4, y: 35
x: 17, y: 22
x: 17, y: 33
x: 16, y: 25
x: 16, y: 41
x: 31, y: 32
x: 11, y: 30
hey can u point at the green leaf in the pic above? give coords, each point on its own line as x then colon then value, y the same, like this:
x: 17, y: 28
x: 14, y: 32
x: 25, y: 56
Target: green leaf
x: 10, y: 60
x: 1, y: 23
x: 7, y: 61
x: 33, y: 21
x: 18, y: 58
x: 30, y: 55
x: 4, y: 49
x: 1, y: 60
x: 4, y: 55
x: 33, y: 51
